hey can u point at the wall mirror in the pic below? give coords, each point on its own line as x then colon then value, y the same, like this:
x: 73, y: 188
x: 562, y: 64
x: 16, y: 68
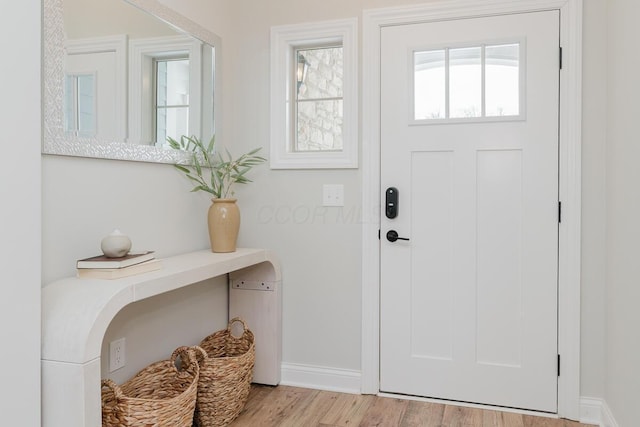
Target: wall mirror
x: 120, y: 76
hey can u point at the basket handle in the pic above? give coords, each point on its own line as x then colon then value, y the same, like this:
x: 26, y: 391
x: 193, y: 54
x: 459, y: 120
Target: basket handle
x: 201, y: 354
x: 244, y: 327
x: 189, y: 361
x: 115, y: 388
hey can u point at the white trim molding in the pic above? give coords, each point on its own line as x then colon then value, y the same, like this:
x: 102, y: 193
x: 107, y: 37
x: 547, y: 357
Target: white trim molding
x: 591, y: 410
x: 596, y: 411
x: 118, y: 45
x: 321, y: 378
x: 283, y: 40
x: 569, y: 183
x: 607, y: 416
x: 142, y: 52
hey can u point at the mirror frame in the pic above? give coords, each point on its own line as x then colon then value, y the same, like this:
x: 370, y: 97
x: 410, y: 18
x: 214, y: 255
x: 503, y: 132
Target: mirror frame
x: 55, y: 141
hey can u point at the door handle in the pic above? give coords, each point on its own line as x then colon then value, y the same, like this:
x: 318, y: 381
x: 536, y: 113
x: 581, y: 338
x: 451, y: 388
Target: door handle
x: 392, y: 236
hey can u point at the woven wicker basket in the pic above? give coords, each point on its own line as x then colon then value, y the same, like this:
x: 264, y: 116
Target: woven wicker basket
x: 226, y: 368
x: 159, y: 395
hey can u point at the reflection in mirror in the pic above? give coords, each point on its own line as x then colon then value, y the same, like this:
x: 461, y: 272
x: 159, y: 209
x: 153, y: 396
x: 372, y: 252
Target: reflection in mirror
x: 119, y: 81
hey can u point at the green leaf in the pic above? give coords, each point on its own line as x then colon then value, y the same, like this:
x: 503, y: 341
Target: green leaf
x: 181, y: 168
x: 223, y: 170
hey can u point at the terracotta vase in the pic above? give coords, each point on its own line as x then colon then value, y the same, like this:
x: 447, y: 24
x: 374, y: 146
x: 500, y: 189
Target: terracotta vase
x: 224, y: 224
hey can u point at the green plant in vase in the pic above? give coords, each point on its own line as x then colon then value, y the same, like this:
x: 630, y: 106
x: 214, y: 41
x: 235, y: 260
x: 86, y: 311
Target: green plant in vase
x: 212, y: 171
x: 216, y: 173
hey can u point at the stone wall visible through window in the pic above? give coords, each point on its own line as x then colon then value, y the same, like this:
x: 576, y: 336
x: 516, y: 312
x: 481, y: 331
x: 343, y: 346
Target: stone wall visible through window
x: 319, y: 112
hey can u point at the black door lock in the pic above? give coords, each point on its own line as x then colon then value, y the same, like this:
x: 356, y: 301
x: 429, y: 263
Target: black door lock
x: 391, y: 203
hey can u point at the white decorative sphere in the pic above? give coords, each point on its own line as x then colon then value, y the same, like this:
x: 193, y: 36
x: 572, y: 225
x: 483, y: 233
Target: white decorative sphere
x: 115, y: 245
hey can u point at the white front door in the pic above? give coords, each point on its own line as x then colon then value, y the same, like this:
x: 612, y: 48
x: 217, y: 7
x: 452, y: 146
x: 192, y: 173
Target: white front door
x: 469, y: 142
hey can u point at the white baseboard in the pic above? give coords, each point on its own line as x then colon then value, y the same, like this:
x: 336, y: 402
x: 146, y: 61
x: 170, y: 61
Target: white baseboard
x: 607, y: 416
x: 596, y: 411
x: 321, y: 378
x: 591, y: 410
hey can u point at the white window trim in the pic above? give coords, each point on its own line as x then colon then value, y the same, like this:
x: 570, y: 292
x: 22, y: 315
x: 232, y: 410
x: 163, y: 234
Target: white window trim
x: 141, y: 55
x: 284, y: 39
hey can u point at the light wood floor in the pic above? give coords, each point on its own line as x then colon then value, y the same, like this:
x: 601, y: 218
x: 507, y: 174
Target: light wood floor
x: 297, y: 407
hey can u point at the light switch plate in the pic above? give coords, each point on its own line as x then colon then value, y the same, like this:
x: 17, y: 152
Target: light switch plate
x: 333, y: 195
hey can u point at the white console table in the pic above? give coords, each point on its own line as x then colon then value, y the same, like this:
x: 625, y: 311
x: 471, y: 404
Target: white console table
x: 76, y: 314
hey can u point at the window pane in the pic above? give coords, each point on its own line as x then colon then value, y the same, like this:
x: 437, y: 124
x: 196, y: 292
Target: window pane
x: 319, y: 73
x: 79, y: 104
x: 172, y: 82
x: 86, y: 105
x: 319, y: 78
x: 429, y: 85
x: 319, y: 125
x: 502, y: 80
x: 172, y: 99
x: 465, y: 82
x: 172, y: 122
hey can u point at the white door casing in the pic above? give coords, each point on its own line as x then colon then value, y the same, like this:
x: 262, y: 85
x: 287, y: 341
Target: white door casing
x: 468, y: 305
x: 102, y: 66
x: 569, y: 176
x: 105, y: 58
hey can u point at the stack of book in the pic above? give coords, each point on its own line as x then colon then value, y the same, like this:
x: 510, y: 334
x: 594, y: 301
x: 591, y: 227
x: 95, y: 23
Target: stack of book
x: 103, y: 267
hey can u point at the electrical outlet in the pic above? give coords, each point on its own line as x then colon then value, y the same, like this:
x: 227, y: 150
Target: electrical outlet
x: 116, y: 354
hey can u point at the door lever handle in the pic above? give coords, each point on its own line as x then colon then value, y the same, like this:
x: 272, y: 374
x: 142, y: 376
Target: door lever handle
x: 392, y: 236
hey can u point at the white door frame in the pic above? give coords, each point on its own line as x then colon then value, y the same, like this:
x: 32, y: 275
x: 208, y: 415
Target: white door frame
x: 569, y: 178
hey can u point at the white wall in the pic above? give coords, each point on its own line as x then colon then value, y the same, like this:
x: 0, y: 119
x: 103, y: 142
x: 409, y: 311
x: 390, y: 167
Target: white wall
x: 623, y: 212
x: 20, y: 216
x: 96, y: 18
x: 84, y: 199
x: 320, y: 247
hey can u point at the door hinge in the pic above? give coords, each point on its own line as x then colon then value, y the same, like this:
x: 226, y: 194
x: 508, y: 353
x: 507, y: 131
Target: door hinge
x: 561, y: 57
x: 558, y: 365
x: 378, y: 234
x: 559, y: 212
